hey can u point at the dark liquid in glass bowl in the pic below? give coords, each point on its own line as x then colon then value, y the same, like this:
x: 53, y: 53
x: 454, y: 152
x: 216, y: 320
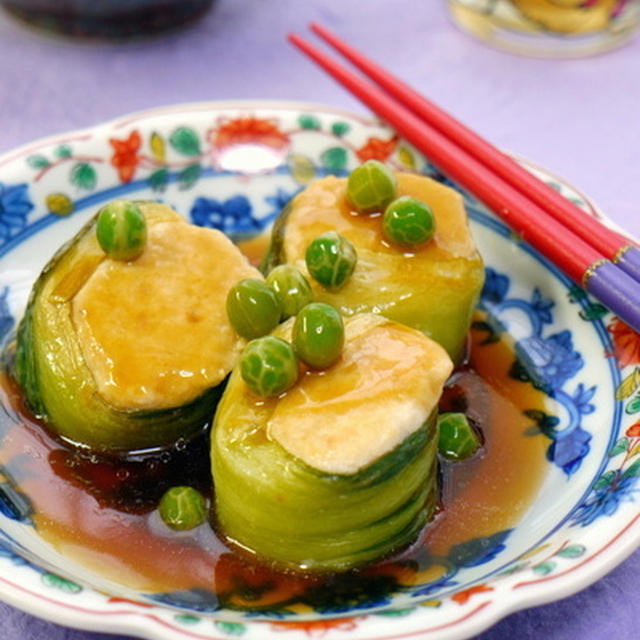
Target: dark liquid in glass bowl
x: 107, y: 19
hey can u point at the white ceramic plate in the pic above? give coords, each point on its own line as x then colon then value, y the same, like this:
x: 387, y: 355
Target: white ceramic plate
x: 233, y: 165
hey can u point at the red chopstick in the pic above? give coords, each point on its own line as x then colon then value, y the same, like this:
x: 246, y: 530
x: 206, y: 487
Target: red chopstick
x: 608, y: 242
x: 580, y: 261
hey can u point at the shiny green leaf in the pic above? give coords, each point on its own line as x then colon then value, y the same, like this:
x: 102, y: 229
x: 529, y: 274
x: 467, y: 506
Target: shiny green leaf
x: 544, y: 568
x: 514, y: 569
x: 605, y: 480
x: 334, y: 159
x: 159, y: 179
x: 84, y: 176
x: 189, y: 175
x: 57, y: 582
x: 185, y: 141
x: 633, y: 471
x: 63, y: 151
x: 396, y: 613
x: 594, y: 311
x: 572, y: 551
x: 634, y: 405
x: 340, y: 128
x: 308, y: 121
x: 37, y: 162
x: 619, y: 447
x: 576, y: 293
x: 231, y: 628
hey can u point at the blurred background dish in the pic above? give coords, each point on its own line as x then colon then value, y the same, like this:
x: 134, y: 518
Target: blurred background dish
x: 110, y: 19
x: 550, y: 28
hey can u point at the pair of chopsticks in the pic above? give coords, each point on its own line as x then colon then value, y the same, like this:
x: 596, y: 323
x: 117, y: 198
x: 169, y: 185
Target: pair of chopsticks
x: 604, y: 262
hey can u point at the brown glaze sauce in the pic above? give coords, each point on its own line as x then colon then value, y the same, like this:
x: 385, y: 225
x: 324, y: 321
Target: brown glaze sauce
x: 101, y: 513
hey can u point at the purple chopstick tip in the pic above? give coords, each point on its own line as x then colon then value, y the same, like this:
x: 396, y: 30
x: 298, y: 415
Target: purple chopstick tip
x: 615, y: 289
x: 628, y: 260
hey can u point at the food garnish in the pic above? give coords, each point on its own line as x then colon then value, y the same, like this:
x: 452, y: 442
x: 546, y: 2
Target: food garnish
x: 457, y: 438
x: 318, y: 335
x: 121, y: 230
x: 291, y: 288
x: 269, y: 366
x: 183, y: 508
x: 253, y: 308
x: 408, y: 221
x: 371, y: 186
x: 331, y: 259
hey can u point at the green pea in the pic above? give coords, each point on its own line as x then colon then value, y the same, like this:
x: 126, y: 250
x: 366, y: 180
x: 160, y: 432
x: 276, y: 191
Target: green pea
x: 408, y: 221
x: 121, y: 230
x: 371, y: 187
x: 458, y: 439
x: 291, y: 288
x: 331, y: 259
x: 253, y: 308
x: 318, y: 335
x: 269, y: 366
x: 183, y: 508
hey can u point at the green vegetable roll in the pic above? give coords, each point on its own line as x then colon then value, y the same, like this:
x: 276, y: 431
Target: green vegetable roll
x: 341, y: 468
x: 433, y: 286
x: 125, y: 354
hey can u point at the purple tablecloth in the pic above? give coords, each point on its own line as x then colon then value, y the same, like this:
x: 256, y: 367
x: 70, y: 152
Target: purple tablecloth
x: 580, y: 119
